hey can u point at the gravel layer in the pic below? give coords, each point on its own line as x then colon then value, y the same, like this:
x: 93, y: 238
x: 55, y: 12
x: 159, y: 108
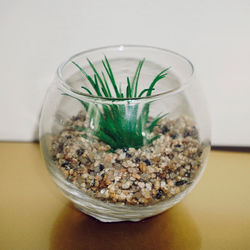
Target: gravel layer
x: 131, y: 176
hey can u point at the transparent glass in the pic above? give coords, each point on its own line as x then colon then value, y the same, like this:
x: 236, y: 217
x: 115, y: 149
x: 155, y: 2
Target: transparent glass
x: 144, y: 168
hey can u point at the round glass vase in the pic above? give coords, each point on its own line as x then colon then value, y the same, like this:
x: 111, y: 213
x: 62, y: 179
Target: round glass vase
x: 123, y: 158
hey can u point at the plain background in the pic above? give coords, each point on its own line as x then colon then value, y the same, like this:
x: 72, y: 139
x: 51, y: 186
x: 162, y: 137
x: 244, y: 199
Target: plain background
x: 37, y: 35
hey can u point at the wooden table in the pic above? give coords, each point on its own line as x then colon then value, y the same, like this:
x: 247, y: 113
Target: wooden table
x: 35, y: 215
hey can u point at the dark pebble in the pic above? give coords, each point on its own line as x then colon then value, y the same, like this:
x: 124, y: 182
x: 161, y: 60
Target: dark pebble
x: 137, y: 159
x: 180, y: 183
x: 165, y: 129
x: 186, y: 133
x: 173, y: 136
x: 170, y: 156
x: 148, y: 163
x: 101, y: 167
x: 118, y: 161
x: 79, y: 152
x: 178, y: 146
x: 128, y: 155
x: 64, y: 164
x: 102, y: 175
x: 60, y: 147
x: 159, y: 194
x: 68, y: 137
x: 187, y: 174
x: 92, y: 183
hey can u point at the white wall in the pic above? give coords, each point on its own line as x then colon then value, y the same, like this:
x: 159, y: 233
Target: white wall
x: 35, y: 36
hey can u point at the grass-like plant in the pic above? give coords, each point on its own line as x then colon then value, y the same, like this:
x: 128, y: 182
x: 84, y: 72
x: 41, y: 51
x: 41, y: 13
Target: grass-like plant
x: 119, y: 125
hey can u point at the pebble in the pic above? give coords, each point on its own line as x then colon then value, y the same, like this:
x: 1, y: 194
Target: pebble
x: 126, y: 185
x: 180, y: 183
x: 148, y: 163
x: 143, y: 167
x: 141, y: 185
x: 159, y: 194
x: 146, y: 193
x: 163, y: 184
x: 131, y: 176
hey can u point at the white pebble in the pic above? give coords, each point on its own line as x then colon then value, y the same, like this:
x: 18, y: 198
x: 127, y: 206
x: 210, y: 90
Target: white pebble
x: 163, y: 184
x: 149, y: 186
x: 126, y: 185
x: 141, y: 185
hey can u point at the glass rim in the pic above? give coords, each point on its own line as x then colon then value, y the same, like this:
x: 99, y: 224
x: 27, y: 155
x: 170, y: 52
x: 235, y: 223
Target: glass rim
x: 65, y: 87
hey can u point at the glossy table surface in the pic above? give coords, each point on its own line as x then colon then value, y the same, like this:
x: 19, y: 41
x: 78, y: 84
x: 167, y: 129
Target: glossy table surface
x: 35, y: 215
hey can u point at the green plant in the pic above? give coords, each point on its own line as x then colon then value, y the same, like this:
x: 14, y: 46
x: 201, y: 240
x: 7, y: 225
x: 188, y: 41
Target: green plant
x: 119, y: 125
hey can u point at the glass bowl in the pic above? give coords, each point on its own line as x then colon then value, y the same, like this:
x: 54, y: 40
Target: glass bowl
x: 125, y: 157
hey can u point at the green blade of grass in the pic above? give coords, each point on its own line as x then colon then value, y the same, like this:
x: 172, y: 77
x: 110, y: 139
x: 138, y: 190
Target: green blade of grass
x: 120, y: 89
x: 105, y: 138
x: 128, y: 90
x: 85, y: 104
x: 92, y: 82
x: 154, y: 122
x: 136, y: 78
x: 106, y: 83
x: 97, y: 86
x: 98, y: 77
x: 143, y: 91
x: 79, y: 128
x: 87, y: 90
x: 152, y: 139
x: 111, y: 76
x: 160, y: 76
x: 112, y: 117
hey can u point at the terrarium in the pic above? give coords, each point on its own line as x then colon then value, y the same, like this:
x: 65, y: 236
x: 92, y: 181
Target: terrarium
x: 125, y: 131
